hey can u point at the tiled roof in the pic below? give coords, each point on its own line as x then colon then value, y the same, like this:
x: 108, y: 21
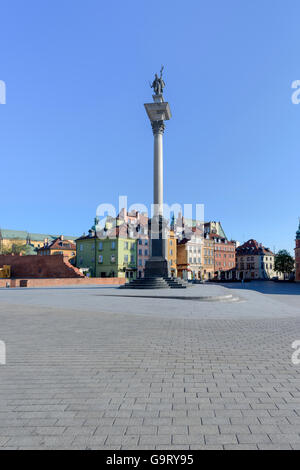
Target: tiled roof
x: 59, y: 244
x: 252, y: 247
x: 22, y: 235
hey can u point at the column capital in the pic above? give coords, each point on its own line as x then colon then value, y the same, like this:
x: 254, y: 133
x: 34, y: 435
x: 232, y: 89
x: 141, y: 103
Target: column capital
x: 158, y: 127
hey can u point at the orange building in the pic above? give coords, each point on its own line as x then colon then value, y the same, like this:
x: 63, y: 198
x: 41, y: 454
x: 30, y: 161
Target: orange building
x: 224, y: 251
x: 208, y: 258
x: 172, y: 253
x: 59, y: 246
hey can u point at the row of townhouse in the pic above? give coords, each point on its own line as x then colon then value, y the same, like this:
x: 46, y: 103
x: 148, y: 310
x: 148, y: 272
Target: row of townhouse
x: 205, y: 256
x: 195, y: 251
x: 121, y: 248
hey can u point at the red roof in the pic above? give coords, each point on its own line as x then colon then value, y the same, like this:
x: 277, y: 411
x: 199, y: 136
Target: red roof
x: 59, y: 244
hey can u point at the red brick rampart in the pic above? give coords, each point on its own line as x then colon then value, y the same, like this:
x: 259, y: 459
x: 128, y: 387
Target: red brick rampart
x: 32, y: 266
x: 86, y: 281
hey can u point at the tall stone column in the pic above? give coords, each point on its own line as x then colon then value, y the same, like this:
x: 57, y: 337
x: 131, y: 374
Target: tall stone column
x: 157, y: 265
x: 158, y: 128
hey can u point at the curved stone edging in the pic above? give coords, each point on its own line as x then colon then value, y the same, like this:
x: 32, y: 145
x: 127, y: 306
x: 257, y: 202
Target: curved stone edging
x: 204, y: 298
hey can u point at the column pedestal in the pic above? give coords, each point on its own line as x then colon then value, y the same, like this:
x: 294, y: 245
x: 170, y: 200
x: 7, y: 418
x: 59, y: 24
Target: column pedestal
x: 157, y: 265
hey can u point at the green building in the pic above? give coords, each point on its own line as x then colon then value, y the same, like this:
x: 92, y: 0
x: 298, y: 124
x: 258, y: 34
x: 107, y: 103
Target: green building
x: 107, y: 253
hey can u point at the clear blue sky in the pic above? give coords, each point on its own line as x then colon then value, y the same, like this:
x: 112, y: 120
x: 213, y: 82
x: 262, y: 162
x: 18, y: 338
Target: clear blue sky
x: 74, y: 132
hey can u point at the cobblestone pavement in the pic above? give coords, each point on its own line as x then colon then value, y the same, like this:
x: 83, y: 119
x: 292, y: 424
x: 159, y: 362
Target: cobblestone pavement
x: 91, y: 369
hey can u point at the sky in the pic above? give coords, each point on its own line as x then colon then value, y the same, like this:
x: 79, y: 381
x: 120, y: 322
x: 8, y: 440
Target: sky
x: 74, y: 132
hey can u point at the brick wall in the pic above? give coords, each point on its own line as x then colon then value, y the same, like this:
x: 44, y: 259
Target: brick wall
x: 32, y: 266
x: 96, y: 281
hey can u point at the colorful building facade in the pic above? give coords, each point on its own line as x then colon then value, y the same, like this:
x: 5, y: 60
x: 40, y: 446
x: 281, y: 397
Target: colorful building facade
x: 254, y: 261
x: 208, y: 257
x: 172, y: 253
x: 137, y: 227
x: 224, y: 257
x: 107, y: 253
x: 59, y: 246
x: 189, y: 256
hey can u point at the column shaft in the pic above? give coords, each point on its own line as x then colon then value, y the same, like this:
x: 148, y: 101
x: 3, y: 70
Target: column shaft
x: 158, y: 173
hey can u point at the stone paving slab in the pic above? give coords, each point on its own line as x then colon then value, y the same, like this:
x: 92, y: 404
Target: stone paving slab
x: 90, y: 371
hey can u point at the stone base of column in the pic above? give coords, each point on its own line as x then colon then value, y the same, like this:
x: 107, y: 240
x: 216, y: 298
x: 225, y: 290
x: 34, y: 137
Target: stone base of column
x: 156, y: 268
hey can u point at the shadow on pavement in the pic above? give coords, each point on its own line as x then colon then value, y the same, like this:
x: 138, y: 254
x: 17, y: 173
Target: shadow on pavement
x: 266, y: 287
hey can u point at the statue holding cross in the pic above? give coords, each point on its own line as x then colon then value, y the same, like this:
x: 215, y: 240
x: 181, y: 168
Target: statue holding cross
x: 158, y: 84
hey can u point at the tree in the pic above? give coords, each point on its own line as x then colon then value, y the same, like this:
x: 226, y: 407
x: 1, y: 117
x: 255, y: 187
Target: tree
x: 284, y: 262
x: 16, y: 249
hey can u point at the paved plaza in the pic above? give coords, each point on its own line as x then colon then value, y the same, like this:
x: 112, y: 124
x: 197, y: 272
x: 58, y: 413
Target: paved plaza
x: 104, y: 368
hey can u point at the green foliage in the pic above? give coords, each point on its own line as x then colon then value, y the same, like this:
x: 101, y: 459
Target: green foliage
x: 16, y: 249
x: 284, y: 262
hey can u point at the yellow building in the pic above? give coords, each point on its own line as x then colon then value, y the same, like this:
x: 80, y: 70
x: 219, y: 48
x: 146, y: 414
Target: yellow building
x: 208, y: 261
x: 59, y: 246
x: 172, y: 253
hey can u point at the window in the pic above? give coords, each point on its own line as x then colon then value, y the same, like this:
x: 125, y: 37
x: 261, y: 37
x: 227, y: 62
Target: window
x: 171, y: 242
x: 100, y: 245
x: 171, y: 252
x: 140, y: 262
x: 126, y: 245
x: 113, y: 245
x: 126, y: 258
x: 146, y: 252
x: 140, y: 252
x: 112, y: 259
x: 140, y: 242
x: 132, y: 259
x: 100, y: 259
x: 81, y: 247
x: 146, y: 242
